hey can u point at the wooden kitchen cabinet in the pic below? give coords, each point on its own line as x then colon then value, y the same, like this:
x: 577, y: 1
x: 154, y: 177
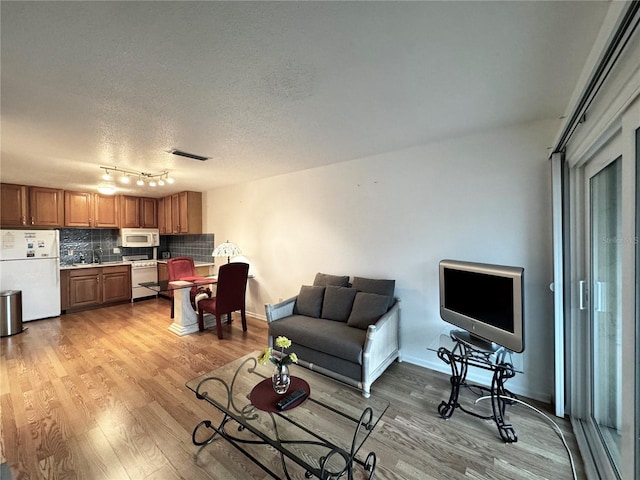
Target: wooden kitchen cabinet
x: 129, y: 212
x: 165, y: 223
x: 163, y: 274
x: 13, y: 205
x: 84, y: 287
x: 95, y: 286
x: 186, y: 212
x: 78, y: 209
x: 84, y: 209
x: 203, y: 270
x: 46, y: 207
x: 106, y: 211
x: 138, y: 212
x: 116, y: 284
x: 148, y: 212
x: 25, y: 206
x: 161, y: 224
x: 64, y: 290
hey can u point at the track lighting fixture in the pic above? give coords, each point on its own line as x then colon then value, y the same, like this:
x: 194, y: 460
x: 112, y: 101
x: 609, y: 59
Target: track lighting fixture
x: 144, y: 178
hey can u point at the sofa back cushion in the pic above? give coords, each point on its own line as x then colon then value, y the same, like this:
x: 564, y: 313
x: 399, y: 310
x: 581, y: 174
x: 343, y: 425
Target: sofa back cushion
x: 323, y: 280
x: 379, y: 287
x: 367, y: 309
x: 337, y: 303
x: 309, y: 301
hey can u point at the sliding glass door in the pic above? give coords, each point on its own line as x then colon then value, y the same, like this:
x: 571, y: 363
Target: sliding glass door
x: 605, y: 308
x: 605, y: 390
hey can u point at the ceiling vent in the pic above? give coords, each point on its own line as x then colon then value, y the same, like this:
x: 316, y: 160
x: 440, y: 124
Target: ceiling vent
x: 175, y: 151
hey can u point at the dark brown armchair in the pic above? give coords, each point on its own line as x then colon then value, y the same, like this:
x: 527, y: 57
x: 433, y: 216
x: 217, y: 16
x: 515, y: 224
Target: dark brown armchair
x: 183, y: 268
x: 230, y: 296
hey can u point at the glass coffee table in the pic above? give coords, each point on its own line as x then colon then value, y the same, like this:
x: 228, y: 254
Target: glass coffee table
x: 323, y: 433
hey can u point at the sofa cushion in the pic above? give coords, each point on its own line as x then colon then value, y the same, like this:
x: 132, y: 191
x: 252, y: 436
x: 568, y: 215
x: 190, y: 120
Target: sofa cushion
x: 337, y: 303
x: 319, y: 361
x: 332, y: 338
x: 379, y: 287
x: 323, y: 279
x: 309, y: 301
x: 367, y: 309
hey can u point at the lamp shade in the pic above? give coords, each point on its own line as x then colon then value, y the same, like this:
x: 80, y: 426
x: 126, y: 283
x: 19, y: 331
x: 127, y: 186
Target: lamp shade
x: 226, y: 249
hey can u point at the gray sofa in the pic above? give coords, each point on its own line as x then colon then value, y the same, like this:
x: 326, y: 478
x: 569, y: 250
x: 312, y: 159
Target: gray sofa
x: 347, y: 331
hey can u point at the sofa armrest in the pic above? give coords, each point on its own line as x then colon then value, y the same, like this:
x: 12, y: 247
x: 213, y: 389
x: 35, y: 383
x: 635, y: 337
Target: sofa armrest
x: 280, y: 310
x: 384, y: 332
x: 381, y: 345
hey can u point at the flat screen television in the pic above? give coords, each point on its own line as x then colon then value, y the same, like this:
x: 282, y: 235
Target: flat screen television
x: 485, y: 300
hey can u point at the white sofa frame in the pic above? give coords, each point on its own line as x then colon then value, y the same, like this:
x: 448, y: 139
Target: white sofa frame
x: 381, y: 345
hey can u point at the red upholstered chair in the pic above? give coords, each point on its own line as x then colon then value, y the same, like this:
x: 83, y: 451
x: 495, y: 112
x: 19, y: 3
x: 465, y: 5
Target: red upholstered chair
x: 230, y: 296
x: 183, y: 268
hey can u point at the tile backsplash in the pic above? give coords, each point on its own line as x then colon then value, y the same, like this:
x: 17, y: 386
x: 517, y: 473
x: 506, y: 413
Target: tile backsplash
x: 83, y: 241
x: 199, y: 247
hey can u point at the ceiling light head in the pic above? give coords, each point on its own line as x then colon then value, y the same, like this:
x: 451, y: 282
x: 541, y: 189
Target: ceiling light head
x: 152, y: 183
x: 106, y: 177
x: 170, y: 180
x: 107, y: 189
x: 125, y: 179
x: 140, y: 182
x: 161, y: 182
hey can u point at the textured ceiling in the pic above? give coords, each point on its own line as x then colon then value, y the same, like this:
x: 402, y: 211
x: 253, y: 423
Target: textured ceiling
x: 266, y: 88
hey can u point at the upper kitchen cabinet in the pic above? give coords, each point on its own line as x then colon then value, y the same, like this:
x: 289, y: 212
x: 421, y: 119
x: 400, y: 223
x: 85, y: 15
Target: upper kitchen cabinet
x: 25, y: 206
x: 164, y: 215
x: 129, y: 212
x: 106, y: 211
x: 13, y: 205
x: 149, y: 212
x: 46, y: 207
x: 186, y: 212
x: 78, y: 209
x: 83, y: 209
x: 138, y: 212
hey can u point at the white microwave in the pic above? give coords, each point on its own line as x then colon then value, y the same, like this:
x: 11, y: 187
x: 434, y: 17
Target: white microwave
x: 139, y: 237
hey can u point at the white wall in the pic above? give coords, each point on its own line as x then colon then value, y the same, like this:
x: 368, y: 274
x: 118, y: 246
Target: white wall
x: 483, y: 198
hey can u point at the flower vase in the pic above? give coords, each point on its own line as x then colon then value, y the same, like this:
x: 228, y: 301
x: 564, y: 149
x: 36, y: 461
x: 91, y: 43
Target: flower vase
x: 281, y: 379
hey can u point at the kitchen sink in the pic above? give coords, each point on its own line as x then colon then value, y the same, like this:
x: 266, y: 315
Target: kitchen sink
x: 87, y: 265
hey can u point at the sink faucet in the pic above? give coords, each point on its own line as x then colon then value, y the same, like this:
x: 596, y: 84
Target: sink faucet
x: 82, y: 257
x: 97, y: 254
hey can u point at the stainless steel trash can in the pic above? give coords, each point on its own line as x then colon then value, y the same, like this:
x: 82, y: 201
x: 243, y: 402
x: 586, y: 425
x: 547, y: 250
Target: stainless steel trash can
x: 10, y: 312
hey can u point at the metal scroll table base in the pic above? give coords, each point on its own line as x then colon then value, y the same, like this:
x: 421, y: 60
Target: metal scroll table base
x: 460, y: 358
x: 228, y: 426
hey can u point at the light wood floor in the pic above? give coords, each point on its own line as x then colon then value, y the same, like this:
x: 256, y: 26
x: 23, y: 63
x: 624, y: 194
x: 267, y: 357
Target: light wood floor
x: 100, y: 394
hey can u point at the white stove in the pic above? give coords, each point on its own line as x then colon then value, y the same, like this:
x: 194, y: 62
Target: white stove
x: 143, y: 269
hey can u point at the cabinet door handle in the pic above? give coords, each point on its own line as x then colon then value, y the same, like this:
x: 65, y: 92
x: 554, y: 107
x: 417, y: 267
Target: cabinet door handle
x: 23, y: 220
x: 32, y: 221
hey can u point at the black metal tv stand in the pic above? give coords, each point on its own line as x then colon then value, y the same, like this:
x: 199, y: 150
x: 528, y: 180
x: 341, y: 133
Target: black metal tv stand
x: 471, y: 351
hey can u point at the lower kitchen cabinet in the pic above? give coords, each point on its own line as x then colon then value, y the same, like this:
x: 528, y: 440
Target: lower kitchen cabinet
x: 64, y: 289
x: 163, y: 274
x: 116, y: 284
x: 95, y: 286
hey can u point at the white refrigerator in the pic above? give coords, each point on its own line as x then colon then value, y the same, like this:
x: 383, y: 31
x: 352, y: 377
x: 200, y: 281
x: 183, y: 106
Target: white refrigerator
x: 30, y: 262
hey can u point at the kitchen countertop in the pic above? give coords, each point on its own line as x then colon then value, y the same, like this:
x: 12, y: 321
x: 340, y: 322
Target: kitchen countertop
x: 93, y: 265
x: 115, y: 264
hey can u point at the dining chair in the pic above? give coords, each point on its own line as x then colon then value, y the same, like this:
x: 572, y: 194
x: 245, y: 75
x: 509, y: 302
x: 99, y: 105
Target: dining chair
x: 183, y: 268
x: 230, y: 296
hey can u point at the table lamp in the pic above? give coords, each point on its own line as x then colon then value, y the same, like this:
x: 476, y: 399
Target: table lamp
x: 226, y: 249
